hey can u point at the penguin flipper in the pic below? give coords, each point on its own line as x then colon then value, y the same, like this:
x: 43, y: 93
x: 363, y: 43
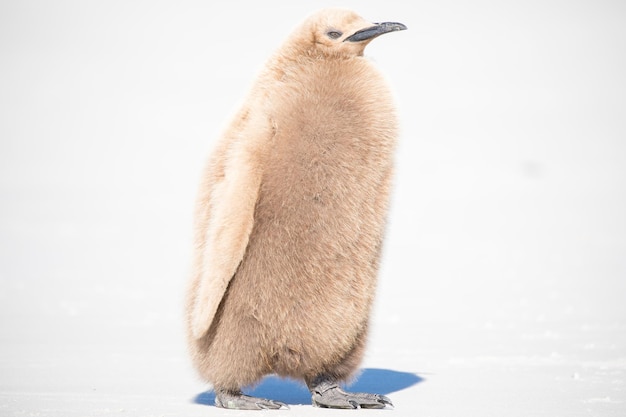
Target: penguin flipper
x: 231, y: 221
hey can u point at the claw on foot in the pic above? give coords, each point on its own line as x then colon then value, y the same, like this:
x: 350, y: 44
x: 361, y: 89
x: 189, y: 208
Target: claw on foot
x: 328, y: 395
x: 236, y: 400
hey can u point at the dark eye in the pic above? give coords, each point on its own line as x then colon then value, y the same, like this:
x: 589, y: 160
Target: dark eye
x: 334, y: 34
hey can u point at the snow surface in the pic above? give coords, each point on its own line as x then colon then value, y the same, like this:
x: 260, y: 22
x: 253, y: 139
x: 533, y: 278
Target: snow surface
x: 503, y: 287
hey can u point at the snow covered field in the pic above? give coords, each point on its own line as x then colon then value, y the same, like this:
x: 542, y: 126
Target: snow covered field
x: 503, y: 289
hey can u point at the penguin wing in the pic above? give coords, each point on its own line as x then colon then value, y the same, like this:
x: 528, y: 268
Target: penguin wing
x: 231, y: 218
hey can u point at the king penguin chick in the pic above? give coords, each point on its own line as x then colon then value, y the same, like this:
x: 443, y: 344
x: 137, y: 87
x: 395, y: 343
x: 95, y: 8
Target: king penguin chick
x: 290, y: 219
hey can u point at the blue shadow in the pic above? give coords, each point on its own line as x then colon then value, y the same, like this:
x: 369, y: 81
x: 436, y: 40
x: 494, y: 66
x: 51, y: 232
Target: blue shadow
x: 379, y: 381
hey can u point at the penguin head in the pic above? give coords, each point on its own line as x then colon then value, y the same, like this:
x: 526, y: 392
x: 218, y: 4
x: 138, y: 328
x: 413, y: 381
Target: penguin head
x: 343, y: 32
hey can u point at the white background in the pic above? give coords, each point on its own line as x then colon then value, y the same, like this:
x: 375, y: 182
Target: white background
x: 503, y: 289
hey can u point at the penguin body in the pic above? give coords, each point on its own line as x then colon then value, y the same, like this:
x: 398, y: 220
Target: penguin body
x: 291, y: 215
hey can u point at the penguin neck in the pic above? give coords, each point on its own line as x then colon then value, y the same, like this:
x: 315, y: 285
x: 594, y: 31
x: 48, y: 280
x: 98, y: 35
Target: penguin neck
x: 294, y: 55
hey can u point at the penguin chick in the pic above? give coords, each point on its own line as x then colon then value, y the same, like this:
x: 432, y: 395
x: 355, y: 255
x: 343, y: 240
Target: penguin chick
x: 290, y: 219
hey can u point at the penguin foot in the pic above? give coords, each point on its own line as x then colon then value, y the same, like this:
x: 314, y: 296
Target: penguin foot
x: 327, y: 394
x: 236, y: 400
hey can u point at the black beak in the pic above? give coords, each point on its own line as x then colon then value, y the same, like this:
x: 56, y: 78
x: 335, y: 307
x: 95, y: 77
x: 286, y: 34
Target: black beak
x: 374, y: 31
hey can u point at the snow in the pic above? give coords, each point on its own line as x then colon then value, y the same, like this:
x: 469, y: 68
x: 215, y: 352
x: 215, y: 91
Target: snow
x: 502, y: 288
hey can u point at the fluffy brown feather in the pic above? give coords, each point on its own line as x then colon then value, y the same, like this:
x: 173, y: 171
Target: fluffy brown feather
x: 291, y: 215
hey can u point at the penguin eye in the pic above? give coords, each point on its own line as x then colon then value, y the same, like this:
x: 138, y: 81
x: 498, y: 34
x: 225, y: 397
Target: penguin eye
x: 334, y: 34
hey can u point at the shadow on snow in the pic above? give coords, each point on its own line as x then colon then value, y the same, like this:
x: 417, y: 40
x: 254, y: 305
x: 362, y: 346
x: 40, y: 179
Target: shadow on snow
x: 378, y: 381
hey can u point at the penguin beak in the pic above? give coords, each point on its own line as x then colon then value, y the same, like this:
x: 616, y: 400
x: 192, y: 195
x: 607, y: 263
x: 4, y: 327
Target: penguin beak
x: 374, y: 31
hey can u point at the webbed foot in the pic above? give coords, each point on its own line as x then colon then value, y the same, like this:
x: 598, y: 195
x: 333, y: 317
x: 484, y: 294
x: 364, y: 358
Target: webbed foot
x: 236, y: 400
x: 327, y: 394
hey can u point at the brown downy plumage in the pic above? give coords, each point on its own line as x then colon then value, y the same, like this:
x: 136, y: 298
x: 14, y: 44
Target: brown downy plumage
x: 291, y: 214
